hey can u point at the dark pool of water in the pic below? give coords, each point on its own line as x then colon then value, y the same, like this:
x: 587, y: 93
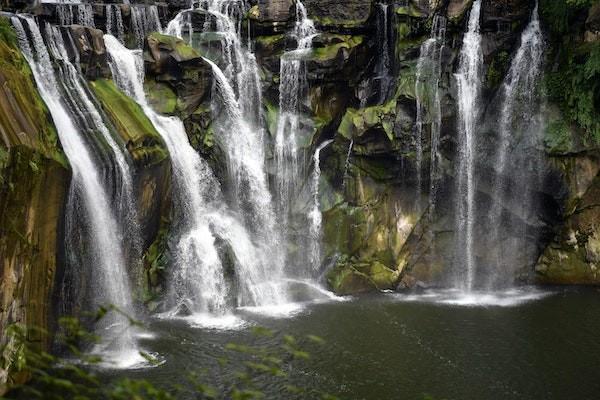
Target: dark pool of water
x: 398, y: 347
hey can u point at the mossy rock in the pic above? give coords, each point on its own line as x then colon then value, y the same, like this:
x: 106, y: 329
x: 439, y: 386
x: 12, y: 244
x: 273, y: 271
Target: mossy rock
x: 24, y: 117
x: 354, y: 278
x: 143, y: 141
x: 177, y: 48
x: 336, y: 42
x: 161, y: 97
x: 345, y: 280
x: 358, y: 121
x: 410, y: 11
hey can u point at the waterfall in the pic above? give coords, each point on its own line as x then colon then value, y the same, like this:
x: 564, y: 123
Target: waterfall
x: 292, y: 93
x: 144, y: 20
x: 88, y: 198
x: 384, y: 68
x: 68, y: 12
x: 114, y: 22
x: 182, y: 22
x: 65, y: 14
x: 202, y: 215
x: 85, y: 15
x: 315, y: 217
x: 428, y: 99
x: 519, y: 138
x: 347, y: 166
x: 469, y: 80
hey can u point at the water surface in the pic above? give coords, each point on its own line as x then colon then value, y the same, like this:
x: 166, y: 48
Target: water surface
x: 522, y: 344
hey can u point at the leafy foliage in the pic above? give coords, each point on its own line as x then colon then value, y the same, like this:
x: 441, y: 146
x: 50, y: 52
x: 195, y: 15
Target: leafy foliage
x: 574, y: 79
x: 71, y: 377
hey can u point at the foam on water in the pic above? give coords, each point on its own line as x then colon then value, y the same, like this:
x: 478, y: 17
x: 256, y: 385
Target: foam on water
x: 504, y: 298
x: 227, y: 322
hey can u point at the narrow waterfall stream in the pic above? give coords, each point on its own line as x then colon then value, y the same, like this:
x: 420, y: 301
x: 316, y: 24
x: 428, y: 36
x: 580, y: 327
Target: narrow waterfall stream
x: 428, y: 101
x: 114, y: 22
x: 315, y: 216
x: 292, y: 94
x: 144, y: 20
x: 469, y: 81
x: 517, y: 159
x: 385, y: 75
x: 87, y: 192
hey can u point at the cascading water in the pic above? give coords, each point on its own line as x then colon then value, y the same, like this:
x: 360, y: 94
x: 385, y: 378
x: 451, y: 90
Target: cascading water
x: 292, y: 93
x: 384, y: 68
x: 199, y: 282
x: 469, y: 81
x: 89, y: 117
x: 428, y: 99
x: 315, y: 217
x: 68, y: 13
x: 114, y: 22
x: 182, y: 23
x: 519, y: 141
x: 88, y: 197
x: 144, y: 20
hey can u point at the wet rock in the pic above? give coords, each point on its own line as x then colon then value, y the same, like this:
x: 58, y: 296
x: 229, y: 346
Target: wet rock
x: 170, y: 61
x: 89, y: 43
x: 332, y: 15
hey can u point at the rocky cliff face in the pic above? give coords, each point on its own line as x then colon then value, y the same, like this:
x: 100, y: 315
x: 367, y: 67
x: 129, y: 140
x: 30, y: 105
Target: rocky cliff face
x: 34, y: 182
x: 380, y: 229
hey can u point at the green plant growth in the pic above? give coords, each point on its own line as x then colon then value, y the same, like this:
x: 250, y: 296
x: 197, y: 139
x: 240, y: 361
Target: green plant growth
x: 142, y: 140
x: 24, y: 117
x: 72, y: 376
x: 573, y: 82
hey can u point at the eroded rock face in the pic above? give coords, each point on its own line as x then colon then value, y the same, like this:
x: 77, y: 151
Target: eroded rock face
x: 89, y: 43
x: 34, y: 182
x: 173, y: 65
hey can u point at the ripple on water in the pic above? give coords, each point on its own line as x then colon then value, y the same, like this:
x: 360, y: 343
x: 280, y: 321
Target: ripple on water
x: 502, y: 298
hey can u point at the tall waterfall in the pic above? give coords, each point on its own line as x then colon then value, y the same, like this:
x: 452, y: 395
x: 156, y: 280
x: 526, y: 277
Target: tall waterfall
x: 69, y: 13
x: 428, y: 99
x: 144, y: 20
x: 517, y: 156
x: 199, y: 282
x: 385, y: 76
x: 315, y: 217
x: 469, y: 81
x: 292, y: 94
x: 114, y: 22
x: 88, y: 198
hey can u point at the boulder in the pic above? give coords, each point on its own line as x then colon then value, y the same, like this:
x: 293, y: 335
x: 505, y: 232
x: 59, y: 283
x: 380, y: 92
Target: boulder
x: 170, y: 62
x: 89, y: 42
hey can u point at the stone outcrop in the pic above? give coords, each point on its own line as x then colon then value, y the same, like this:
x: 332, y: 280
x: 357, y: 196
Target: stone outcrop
x: 34, y: 182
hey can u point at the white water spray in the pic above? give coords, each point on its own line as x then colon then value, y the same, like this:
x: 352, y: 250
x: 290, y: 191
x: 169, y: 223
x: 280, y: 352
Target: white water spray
x: 469, y: 81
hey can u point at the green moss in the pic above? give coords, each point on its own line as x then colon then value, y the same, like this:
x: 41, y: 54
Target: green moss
x: 406, y: 81
x: 7, y: 34
x: 253, y: 13
x: 351, y: 277
x: 558, y: 137
x: 24, y: 117
x: 331, y: 51
x: 156, y: 260
x: 339, y: 23
x: 183, y: 52
x: 573, y: 83
x: 496, y: 69
x: 269, y: 41
x: 143, y: 141
x: 161, y: 97
x: 410, y: 11
x: 357, y: 121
